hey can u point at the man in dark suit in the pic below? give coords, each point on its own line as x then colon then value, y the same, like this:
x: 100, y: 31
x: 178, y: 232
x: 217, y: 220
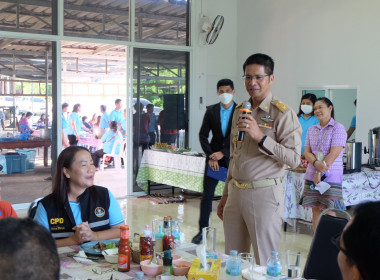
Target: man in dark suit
x: 217, y: 119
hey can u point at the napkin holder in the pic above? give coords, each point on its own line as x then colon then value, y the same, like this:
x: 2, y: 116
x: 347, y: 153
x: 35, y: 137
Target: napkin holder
x: 196, y: 272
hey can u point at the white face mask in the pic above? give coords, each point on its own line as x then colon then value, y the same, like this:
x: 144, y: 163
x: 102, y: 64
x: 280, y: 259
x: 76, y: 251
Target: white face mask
x: 306, y: 109
x: 225, y: 98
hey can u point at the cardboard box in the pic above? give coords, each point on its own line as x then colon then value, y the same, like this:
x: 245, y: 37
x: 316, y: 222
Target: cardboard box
x: 196, y: 273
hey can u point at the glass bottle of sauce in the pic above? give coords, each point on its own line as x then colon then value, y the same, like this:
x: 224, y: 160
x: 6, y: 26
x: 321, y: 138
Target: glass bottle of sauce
x: 124, y: 259
x: 146, y: 248
x: 168, y: 240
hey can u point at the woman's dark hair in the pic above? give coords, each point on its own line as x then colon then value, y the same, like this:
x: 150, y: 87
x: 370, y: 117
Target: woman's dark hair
x: 84, y: 118
x: 76, y: 108
x: 113, y: 126
x: 362, y: 239
x: 28, y: 114
x: 312, y: 98
x: 328, y: 103
x: 61, y: 182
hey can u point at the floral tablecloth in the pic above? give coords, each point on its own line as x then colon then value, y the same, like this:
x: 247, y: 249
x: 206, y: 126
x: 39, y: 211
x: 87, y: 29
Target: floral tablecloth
x: 178, y: 170
x: 357, y: 187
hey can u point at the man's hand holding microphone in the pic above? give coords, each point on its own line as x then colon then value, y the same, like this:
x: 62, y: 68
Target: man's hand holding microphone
x: 248, y: 124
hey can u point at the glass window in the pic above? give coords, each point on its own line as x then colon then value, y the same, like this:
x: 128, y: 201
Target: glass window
x: 25, y: 86
x: 159, y: 78
x: 26, y: 16
x: 162, y: 22
x: 97, y: 19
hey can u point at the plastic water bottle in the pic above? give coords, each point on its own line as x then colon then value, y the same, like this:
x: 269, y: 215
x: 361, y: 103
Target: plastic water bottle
x: 274, y: 266
x: 176, y: 231
x: 233, y: 266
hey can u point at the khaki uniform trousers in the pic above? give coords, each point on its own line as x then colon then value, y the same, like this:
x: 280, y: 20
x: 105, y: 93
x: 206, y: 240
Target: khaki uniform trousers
x: 254, y: 216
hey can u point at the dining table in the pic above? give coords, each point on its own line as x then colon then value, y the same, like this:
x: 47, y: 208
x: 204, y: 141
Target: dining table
x: 182, y: 170
x: 32, y: 142
x: 97, y: 267
x: 357, y: 187
x: 90, y: 141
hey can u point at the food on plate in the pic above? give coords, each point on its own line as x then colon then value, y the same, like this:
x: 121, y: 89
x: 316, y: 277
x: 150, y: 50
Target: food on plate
x: 102, y: 246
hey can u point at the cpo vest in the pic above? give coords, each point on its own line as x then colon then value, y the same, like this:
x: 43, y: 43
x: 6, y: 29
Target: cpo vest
x: 94, y: 212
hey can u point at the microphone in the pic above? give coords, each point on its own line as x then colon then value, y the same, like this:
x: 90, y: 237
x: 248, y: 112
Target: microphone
x: 246, y: 109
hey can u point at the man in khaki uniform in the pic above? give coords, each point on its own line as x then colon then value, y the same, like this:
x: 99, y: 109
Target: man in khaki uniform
x: 252, y: 205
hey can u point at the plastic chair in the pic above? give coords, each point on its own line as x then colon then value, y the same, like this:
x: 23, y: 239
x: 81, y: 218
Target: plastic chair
x: 322, y: 260
x: 116, y: 157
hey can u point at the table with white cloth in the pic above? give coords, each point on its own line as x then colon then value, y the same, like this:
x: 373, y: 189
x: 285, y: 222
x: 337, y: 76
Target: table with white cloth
x: 177, y: 170
x: 357, y: 187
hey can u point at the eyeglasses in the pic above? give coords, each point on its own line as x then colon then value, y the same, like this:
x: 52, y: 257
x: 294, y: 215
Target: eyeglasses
x: 257, y: 78
x: 336, y: 241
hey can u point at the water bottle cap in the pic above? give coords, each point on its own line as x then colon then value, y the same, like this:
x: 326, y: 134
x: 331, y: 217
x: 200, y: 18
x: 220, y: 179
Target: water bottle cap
x: 146, y: 226
x: 233, y: 253
x: 174, y: 222
x: 139, y: 274
x: 274, y: 253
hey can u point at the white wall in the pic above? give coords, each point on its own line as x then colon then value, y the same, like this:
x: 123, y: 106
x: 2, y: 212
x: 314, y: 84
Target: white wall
x: 211, y: 63
x: 317, y: 43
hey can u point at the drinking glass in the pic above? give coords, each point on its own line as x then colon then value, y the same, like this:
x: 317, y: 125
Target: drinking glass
x: 248, y: 262
x: 293, y: 264
x: 209, y: 237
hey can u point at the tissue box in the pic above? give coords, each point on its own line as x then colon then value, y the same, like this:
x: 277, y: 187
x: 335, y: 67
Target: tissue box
x: 196, y: 273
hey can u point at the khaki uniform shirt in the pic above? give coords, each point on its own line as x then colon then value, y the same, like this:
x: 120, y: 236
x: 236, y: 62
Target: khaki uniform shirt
x: 249, y: 162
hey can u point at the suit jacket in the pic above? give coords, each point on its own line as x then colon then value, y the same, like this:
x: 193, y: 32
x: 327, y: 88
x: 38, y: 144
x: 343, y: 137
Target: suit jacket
x: 211, y: 122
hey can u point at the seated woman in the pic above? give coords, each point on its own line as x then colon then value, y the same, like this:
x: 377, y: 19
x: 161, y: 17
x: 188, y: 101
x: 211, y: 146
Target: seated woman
x: 359, y: 244
x: 41, y: 121
x: 25, y: 121
x: 78, y: 211
x: 108, y: 140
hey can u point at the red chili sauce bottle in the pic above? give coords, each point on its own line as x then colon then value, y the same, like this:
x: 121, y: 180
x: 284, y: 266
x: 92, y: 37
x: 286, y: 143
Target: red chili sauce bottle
x: 124, y: 259
x: 168, y: 240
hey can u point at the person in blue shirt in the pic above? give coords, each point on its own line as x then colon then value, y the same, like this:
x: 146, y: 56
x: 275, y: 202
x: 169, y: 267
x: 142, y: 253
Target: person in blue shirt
x: 65, y: 125
x: 218, y: 120
x: 352, y: 125
x: 77, y: 211
x: 104, y: 121
x: 306, y: 116
x: 116, y: 114
x: 108, y: 140
x: 75, y: 125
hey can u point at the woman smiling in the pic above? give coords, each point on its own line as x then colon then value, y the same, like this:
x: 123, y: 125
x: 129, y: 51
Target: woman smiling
x: 324, y: 151
x: 77, y: 211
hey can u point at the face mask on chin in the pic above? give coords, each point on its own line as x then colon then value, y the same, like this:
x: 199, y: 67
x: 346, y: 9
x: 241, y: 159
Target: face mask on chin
x: 306, y: 109
x: 225, y: 98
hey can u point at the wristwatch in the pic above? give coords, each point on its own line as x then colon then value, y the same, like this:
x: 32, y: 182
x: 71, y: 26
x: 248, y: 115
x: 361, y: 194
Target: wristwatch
x: 262, y: 141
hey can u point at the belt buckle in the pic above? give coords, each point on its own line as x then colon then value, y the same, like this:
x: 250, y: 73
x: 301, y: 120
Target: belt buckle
x: 241, y: 185
x: 244, y: 185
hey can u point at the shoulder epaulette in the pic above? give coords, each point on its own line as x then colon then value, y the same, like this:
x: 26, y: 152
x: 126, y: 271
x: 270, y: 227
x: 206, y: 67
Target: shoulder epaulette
x: 280, y: 105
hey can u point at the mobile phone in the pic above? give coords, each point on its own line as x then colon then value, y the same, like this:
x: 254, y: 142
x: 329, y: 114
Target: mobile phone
x: 324, y: 176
